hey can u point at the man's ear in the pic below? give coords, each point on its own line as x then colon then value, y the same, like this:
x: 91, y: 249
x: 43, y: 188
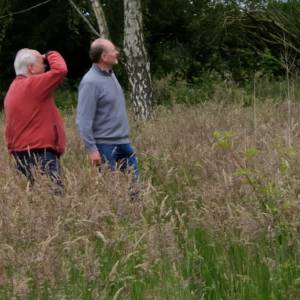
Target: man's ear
x: 30, y: 68
x: 102, y: 56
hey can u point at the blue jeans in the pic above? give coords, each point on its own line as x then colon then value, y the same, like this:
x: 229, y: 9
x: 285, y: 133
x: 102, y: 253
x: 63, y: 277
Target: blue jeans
x: 46, y: 160
x: 121, y: 155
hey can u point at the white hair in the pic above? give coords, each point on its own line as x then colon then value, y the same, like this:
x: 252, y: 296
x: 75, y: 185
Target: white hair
x: 24, y: 57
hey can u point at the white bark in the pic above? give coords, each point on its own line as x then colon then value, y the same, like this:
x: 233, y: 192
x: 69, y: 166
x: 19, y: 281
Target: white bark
x: 136, y: 59
x: 100, y: 17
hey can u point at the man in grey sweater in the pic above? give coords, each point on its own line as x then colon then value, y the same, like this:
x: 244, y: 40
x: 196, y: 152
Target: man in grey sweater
x: 101, y: 112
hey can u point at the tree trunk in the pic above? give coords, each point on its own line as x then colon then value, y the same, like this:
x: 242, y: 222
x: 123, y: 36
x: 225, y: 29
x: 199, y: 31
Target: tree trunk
x: 100, y: 17
x: 136, y: 59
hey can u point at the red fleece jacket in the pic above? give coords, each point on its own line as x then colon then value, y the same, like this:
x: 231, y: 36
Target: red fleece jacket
x: 31, y: 116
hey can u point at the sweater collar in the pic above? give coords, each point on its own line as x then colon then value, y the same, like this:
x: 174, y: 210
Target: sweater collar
x: 103, y: 72
x: 20, y: 76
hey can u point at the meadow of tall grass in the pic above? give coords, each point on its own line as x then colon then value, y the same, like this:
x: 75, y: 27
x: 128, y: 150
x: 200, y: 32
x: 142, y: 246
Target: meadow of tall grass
x: 218, y: 218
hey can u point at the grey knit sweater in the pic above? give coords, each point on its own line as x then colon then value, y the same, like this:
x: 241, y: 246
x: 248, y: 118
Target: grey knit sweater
x: 101, y: 110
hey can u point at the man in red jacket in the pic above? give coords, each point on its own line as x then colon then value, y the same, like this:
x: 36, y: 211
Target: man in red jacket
x: 34, y: 130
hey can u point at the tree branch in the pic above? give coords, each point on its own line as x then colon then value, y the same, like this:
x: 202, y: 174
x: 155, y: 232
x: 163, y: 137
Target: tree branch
x: 84, y: 18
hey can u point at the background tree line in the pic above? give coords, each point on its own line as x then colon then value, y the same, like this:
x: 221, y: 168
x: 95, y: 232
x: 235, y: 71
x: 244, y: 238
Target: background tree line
x: 185, y: 39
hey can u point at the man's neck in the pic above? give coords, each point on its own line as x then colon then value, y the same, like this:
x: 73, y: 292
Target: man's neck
x: 104, y: 67
x: 23, y: 75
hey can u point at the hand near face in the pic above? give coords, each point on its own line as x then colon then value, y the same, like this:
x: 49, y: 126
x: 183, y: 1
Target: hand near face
x: 38, y: 66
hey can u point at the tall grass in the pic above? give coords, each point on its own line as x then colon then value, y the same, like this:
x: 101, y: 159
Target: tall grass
x: 218, y: 219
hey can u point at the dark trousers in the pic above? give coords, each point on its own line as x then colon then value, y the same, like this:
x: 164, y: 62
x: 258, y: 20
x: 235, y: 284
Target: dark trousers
x: 45, y: 161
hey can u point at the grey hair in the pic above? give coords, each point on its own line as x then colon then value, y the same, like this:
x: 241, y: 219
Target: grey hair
x: 24, y: 57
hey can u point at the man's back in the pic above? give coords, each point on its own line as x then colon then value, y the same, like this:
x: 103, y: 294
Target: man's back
x: 31, y: 117
x: 34, y: 129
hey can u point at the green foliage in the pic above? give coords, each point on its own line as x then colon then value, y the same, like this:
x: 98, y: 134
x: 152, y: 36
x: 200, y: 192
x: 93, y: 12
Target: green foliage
x: 222, y: 37
x: 66, y: 96
x: 251, y: 152
x: 4, y: 22
x: 200, y: 43
x: 173, y: 89
x: 265, y: 189
x: 232, y: 270
x: 223, y: 139
x: 210, y: 86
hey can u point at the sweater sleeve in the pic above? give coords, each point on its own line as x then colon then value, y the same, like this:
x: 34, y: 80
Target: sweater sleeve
x: 86, y: 110
x: 45, y: 83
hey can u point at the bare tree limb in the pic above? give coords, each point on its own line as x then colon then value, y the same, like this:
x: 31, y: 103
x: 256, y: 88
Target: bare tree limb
x: 84, y: 18
x: 100, y: 17
x: 24, y: 10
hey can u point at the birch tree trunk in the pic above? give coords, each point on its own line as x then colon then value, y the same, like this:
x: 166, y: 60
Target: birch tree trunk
x: 136, y: 59
x: 100, y: 17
